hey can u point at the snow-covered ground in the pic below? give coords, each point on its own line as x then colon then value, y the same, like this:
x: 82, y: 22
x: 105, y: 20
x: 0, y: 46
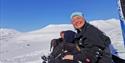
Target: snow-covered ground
x: 28, y: 47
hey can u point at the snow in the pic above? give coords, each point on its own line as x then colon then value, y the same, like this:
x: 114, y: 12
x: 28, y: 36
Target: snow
x: 28, y: 47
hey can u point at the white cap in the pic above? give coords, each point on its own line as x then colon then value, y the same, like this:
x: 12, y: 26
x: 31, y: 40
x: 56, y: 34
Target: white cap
x: 76, y: 14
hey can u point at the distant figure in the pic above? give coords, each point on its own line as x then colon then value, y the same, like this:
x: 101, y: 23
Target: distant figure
x: 28, y: 44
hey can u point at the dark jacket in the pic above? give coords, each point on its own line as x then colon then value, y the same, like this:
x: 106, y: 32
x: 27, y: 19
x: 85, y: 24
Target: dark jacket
x: 54, y: 43
x: 94, y: 45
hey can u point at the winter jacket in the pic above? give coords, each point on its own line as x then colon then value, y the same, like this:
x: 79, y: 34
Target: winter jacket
x: 54, y: 43
x: 94, y: 45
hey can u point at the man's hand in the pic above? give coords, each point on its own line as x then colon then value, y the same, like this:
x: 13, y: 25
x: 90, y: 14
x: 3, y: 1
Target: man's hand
x: 68, y: 57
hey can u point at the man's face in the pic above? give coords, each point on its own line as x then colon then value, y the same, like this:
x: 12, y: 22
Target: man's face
x: 78, y: 22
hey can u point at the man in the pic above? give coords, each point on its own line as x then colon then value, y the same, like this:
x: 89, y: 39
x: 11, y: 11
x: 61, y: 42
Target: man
x: 93, y: 43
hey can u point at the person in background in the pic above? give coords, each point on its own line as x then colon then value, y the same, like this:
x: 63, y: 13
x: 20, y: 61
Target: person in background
x: 67, y: 46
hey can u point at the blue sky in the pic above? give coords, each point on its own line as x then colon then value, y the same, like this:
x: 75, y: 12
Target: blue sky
x: 27, y: 15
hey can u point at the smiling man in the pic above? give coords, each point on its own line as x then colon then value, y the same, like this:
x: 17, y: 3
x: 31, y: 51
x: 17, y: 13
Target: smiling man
x: 94, y: 44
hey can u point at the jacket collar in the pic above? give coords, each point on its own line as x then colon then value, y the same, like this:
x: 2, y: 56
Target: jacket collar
x: 83, y: 28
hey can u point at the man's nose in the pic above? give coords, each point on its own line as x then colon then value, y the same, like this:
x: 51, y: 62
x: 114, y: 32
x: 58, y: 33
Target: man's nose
x: 74, y: 21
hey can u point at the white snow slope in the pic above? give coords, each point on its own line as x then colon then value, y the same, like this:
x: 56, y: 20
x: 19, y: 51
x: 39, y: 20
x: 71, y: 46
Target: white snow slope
x: 20, y: 47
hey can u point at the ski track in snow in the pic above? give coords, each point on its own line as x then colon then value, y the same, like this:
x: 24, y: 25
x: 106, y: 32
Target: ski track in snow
x: 28, y: 47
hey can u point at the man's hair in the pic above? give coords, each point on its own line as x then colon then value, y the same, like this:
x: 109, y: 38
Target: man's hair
x: 61, y: 32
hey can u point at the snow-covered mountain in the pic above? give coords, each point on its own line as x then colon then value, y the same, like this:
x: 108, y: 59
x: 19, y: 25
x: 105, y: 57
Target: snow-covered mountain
x: 8, y: 33
x: 20, y: 47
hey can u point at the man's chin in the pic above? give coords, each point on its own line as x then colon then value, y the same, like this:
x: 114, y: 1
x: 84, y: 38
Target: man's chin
x: 76, y: 27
